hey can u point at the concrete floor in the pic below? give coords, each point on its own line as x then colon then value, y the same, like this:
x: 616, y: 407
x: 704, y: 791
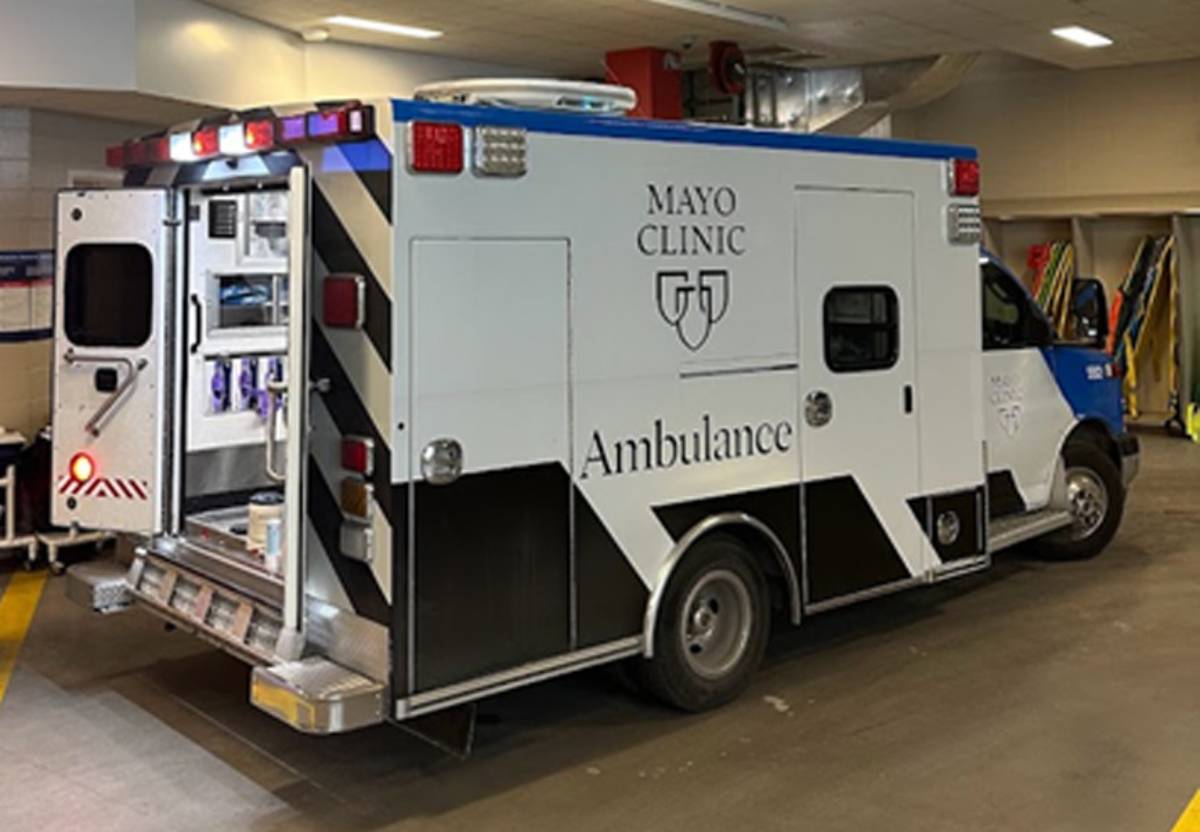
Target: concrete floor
x: 1037, y: 696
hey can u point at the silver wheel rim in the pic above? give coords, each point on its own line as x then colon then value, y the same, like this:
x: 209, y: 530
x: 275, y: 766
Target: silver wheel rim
x: 1087, y: 500
x: 717, y: 618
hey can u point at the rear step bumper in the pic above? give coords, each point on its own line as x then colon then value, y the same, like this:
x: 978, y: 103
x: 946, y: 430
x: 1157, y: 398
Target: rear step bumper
x: 317, y: 696
x: 230, y: 619
x: 314, y: 695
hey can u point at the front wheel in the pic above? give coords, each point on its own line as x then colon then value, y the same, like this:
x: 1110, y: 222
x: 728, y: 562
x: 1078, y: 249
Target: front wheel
x: 712, y: 627
x: 1096, y: 500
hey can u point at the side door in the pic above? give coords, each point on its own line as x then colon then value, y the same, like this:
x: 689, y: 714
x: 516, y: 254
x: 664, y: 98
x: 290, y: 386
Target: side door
x: 859, y: 441
x: 113, y: 359
x: 490, y: 446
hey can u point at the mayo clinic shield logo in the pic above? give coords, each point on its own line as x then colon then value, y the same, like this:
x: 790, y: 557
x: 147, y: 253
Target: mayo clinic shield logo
x: 1008, y: 397
x: 693, y: 306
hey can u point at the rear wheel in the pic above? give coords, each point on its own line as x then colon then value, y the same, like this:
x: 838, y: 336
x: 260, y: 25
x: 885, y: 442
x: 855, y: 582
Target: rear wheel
x: 712, y: 627
x: 1096, y: 500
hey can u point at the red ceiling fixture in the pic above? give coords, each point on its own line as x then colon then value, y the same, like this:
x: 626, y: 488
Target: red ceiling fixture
x: 727, y: 67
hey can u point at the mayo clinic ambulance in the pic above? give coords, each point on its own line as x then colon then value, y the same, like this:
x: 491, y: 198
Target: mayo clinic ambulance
x: 409, y: 402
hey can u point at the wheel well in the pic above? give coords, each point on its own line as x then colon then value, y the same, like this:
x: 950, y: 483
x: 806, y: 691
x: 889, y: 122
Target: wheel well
x: 761, y: 542
x: 1097, y: 433
x: 762, y: 549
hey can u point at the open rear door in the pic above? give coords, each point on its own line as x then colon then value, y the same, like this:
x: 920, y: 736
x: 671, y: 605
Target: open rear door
x: 114, y: 306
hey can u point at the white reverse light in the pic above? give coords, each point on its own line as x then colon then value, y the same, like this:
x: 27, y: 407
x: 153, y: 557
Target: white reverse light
x: 1082, y: 36
x: 381, y: 26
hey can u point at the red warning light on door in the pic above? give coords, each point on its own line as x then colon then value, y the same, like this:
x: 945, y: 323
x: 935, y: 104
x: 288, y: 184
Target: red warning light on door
x: 82, y: 467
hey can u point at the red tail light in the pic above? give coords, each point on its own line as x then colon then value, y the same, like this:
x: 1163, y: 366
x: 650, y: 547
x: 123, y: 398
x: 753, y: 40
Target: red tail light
x: 357, y: 454
x: 435, y: 147
x: 343, y: 301
x: 964, y: 177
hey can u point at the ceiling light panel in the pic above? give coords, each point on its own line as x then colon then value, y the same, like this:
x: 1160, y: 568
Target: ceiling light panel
x: 1081, y: 36
x: 368, y: 25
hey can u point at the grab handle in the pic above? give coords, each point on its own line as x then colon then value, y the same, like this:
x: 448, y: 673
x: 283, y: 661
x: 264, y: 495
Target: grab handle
x: 199, y: 321
x: 275, y: 389
x: 92, y: 425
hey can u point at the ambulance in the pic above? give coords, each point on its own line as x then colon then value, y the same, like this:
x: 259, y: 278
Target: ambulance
x: 410, y: 402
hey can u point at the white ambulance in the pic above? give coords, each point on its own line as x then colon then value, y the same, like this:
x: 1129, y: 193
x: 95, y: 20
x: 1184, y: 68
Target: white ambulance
x: 409, y: 402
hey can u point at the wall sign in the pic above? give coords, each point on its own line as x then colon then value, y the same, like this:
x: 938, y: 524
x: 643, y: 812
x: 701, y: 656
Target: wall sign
x: 26, y: 295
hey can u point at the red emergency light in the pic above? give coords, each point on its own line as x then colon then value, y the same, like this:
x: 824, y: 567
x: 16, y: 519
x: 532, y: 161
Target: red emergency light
x: 206, y: 142
x: 964, y: 177
x: 435, y: 147
x: 260, y: 134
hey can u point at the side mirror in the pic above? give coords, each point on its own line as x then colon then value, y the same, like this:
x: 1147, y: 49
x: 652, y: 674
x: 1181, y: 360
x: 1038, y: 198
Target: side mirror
x: 1089, y: 312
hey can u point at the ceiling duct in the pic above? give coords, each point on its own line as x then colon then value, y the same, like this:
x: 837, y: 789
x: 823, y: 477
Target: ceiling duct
x: 842, y: 100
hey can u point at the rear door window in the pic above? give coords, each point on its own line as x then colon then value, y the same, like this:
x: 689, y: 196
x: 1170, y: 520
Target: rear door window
x: 108, y: 295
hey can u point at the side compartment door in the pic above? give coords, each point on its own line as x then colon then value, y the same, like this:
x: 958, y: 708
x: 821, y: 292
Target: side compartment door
x: 857, y: 375
x: 114, y: 310
x: 490, y: 445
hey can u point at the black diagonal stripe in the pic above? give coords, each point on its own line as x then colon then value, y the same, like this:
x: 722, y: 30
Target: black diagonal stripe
x: 350, y: 414
x: 372, y: 161
x: 335, y: 248
x: 354, y: 576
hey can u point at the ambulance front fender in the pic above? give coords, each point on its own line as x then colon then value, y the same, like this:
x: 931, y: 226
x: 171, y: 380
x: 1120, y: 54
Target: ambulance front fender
x: 763, y: 542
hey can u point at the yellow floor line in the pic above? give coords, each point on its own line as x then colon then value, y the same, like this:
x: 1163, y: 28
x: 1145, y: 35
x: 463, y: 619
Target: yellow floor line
x: 17, y: 604
x: 1189, y: 821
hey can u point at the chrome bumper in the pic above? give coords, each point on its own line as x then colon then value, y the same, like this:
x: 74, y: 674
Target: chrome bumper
x: 1131, y: 457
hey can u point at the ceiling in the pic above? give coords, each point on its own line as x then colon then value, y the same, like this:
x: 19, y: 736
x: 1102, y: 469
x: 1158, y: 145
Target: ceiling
x: 569, y: 37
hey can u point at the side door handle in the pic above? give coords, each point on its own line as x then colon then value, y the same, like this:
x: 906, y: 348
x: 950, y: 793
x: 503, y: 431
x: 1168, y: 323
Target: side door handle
x: 908, y: 398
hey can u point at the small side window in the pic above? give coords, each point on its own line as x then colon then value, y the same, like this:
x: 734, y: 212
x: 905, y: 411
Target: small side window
x: 108, y: 295
x: 862, y: 328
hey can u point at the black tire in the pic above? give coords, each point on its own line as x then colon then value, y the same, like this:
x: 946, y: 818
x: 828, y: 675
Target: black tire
x: 1078, y: 542
x: 713, y: 565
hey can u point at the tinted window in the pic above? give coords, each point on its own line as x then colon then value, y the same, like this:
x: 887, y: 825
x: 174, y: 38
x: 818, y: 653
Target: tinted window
x: 108, y: 295
x: 862, y: 329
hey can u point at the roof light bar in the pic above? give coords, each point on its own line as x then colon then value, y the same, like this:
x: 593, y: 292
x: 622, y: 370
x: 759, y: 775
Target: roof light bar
x: 384, y: 27
x: 1082, y: 36
x: 240, y: 138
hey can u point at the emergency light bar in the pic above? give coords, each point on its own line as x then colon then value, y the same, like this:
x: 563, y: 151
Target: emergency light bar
x: 238, y: 138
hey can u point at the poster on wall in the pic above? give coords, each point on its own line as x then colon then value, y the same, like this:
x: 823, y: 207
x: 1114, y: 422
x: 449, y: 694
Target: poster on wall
x: 26, y: 294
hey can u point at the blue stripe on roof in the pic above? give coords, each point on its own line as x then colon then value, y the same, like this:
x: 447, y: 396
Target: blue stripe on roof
x: 671, y: 131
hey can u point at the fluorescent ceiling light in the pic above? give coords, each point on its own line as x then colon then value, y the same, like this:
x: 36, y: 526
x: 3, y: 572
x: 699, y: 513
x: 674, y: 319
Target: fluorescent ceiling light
x: 715, y: 8
x: 380, y: 26
x: 1082, y: 36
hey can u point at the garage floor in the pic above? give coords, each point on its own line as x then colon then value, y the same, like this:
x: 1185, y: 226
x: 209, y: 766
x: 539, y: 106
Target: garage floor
x: 1036, y: 696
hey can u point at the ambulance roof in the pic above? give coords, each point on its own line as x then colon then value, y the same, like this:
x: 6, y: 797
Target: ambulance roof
x: 617, y: 127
